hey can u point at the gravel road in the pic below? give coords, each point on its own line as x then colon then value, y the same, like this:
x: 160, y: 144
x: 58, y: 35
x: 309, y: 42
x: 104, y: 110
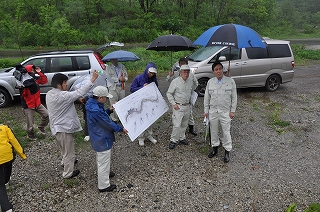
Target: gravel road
x: 271, y: 167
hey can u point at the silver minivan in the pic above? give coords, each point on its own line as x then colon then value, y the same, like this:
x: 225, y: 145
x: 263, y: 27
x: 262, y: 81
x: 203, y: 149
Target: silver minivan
x: 249, y: 67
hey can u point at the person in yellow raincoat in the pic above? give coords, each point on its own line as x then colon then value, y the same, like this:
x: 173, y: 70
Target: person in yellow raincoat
x: 8, y: 143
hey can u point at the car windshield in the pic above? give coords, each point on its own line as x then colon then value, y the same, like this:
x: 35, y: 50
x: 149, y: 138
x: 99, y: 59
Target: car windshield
x: 204, y: 53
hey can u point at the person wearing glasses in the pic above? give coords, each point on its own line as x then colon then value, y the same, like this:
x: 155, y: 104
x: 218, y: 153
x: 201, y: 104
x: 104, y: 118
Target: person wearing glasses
x: 179, y: 94
x: 174, y: 73
x: 101, y: 130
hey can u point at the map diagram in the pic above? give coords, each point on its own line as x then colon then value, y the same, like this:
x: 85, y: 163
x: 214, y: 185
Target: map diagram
x: 141, y: 109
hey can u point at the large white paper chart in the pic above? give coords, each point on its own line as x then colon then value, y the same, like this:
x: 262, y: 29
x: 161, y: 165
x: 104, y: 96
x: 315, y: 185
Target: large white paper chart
x: 141, y: 109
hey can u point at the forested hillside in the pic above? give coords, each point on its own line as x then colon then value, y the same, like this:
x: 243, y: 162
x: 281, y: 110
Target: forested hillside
x: 74, y: 22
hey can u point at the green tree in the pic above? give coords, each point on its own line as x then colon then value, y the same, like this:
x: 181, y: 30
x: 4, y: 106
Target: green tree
x: 62, y: 34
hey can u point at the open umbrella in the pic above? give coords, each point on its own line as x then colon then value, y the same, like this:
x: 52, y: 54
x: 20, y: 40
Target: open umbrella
x: 171, y: 43
x: 121, y: 55
x: 232, y: 35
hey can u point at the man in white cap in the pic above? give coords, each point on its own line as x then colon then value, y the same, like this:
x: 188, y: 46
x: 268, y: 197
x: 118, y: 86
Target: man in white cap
x: 101, y: 131
x: 179, y: 94
x: 174, y: 73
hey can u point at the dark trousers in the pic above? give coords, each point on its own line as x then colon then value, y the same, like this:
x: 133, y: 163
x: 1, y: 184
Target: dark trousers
x: 85, y: 120
x: 5, y: 173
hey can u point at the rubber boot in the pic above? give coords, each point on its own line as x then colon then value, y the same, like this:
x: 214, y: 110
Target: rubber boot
x: 191, y: 130
x: 226, y: 156
x: 214, y: 152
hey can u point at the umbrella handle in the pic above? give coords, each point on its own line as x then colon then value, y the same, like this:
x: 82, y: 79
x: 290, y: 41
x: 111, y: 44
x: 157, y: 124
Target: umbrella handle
x: 122, y: 83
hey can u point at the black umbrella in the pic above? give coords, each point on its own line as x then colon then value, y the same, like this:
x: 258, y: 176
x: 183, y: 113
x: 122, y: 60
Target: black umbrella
x: 171, y: 43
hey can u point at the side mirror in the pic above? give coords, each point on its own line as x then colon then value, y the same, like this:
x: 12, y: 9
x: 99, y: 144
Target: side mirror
x: 222, y: 58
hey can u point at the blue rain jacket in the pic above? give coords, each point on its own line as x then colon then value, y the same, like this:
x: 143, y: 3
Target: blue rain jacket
x: 141, y: 79
x: 101, y: 128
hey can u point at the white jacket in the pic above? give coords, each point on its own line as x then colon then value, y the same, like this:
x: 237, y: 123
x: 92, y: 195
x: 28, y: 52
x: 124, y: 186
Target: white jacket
x: 220, y: 97
x: 62, y: 112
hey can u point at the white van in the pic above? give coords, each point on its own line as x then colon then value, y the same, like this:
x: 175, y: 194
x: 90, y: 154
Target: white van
x: 249, y: 67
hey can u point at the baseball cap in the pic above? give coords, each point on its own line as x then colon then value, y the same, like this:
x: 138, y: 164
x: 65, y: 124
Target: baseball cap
x: 101, y: 91
x: 152, y: 70
x: 185, y: 67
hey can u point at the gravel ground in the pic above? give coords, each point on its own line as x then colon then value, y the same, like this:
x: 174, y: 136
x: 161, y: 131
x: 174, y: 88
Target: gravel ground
x: 270, y: 168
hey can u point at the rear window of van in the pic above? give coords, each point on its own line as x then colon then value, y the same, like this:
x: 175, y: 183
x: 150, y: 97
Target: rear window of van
x: 257, y: 53
x: 278, y: 50
x: 272, y: 51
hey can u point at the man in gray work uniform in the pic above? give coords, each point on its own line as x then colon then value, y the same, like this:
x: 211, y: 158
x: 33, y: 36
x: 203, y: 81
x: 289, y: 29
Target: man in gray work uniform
x: 174, y: 73
x: 119, y: 75
x: 220, y: 102
x: 179, y: 94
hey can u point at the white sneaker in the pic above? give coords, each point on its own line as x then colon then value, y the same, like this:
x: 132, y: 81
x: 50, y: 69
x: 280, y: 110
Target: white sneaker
x: 154, y: 141
x: 87, y: 138
x: 10, y: 210
x: 141, y: 141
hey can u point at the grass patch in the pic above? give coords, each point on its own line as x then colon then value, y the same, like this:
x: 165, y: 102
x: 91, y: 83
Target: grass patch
x: 204, y: 150
x: 45, y: 186
x: 313, y: 207
x: 71, y: 182
x: 276, y: 121
x: 237, y: 145
x: 255, y: 106
x: 281, y: 123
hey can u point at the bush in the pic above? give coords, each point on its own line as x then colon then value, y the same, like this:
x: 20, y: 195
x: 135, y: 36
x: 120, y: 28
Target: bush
x: 312, y: 208
x: 300, y: 52
x: 9, y: 62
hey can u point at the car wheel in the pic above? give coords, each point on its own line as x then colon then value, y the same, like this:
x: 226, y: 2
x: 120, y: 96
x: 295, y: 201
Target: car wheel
x: 5, y: 98
x: 273, y: 82
x: 202, y: 86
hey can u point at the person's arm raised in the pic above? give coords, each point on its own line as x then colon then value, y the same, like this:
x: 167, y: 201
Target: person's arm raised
x: 94, y: 76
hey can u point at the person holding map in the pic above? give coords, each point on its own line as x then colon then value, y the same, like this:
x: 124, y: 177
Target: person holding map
x: 147, y: 77
x: 179, y: 94
x: 101, y: 131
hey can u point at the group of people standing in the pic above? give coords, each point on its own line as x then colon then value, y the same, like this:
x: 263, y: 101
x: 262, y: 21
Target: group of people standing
x: 220, y: 102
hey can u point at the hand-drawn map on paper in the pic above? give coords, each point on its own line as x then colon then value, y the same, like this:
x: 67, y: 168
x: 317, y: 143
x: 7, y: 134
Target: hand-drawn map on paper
x: 141, y: 109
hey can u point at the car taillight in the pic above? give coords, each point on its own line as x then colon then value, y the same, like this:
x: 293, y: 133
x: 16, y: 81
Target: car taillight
x: 292, y: 63
x: 103, y: 66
